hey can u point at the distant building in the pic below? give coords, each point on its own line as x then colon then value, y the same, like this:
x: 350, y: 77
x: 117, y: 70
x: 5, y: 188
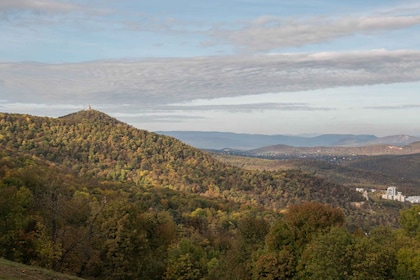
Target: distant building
x: 392, y: 194
x: 413, y: 199
x: 364, y: 193
x: 362, y: 190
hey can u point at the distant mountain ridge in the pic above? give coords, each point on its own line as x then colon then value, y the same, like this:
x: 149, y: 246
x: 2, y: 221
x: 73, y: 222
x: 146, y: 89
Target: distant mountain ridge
x: 298, y: 152
x: 398, y: 140
x: 223, y: 140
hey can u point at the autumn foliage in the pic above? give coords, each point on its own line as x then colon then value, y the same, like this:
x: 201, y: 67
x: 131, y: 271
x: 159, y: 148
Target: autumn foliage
x: 91, y: 196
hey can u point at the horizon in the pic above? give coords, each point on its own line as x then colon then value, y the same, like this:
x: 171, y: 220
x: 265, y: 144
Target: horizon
x: 240, y: 66
x: 304, y: 135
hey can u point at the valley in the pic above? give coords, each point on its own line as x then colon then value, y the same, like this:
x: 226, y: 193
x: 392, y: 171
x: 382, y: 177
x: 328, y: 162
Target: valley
x: 366, y: 166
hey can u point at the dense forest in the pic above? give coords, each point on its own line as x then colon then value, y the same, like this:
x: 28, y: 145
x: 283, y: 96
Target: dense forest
x: 91, y: 196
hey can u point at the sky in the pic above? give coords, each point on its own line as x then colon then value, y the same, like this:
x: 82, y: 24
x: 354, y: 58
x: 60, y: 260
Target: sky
x: 245, y: 66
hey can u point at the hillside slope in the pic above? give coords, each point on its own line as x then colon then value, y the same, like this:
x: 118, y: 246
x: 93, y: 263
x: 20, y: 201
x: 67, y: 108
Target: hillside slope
x: 12, y: 270
x: 93, y: 144
x: 404, y: 169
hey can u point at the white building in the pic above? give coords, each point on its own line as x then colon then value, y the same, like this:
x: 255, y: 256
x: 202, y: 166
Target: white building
x: 392, y: 194
x: 413, y: 199
x: 364, y: 193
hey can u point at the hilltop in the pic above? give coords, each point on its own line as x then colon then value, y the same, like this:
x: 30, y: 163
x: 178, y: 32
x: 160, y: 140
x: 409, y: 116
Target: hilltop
x: 89, y: 116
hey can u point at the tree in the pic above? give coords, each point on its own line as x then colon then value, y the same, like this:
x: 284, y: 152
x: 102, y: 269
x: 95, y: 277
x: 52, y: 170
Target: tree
x: 410, y: 221
x: 328, y: 256
x: 186, y: 261
x: 408, y: 261
x: 135, y: 243
x: 309, y: 218
x: 275, y: 265
x: 252, y: 230
x: 374, y: 256
x: 279, y: 237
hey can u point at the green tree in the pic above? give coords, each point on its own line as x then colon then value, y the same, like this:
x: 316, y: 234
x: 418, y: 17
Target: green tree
x: 279, y: 237
x: 374, y: 256
x: 186, y: 261
x: 328, y: 256
x: 275, y: 265
x: 408, y: 258
x: 410, y: 221
x: 307, y: 219
x: 135, y: 243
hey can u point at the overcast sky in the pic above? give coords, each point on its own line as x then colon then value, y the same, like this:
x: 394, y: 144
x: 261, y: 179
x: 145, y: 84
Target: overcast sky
x: 246, y: 66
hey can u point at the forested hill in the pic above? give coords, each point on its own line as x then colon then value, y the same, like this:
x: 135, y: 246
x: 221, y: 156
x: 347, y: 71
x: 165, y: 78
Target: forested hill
x: 93, y: 144
x: 88, y: 195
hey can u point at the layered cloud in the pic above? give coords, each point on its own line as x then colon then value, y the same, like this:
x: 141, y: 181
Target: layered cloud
x: 248, y: 107
x: 262, y: 33
x: 167, y: 81
x: 270, y: 33
x: 39, y: 6
x: 395, y: 107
